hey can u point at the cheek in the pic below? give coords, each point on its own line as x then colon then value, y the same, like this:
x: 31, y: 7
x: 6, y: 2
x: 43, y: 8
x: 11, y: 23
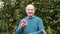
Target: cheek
x: 33, y: 11
x: 30, y: 12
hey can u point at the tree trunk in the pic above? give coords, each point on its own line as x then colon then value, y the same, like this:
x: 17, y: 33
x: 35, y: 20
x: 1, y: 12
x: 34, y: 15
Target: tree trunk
x: 9, y: 31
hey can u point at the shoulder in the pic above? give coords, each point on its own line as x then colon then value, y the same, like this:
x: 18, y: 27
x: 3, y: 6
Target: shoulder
x: 38, y: 18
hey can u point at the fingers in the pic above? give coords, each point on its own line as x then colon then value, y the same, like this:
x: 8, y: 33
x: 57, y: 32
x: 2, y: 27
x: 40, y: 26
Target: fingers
x: 23, y: 25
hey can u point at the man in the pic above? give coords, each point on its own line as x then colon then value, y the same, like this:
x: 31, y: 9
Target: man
x: 34, y: 24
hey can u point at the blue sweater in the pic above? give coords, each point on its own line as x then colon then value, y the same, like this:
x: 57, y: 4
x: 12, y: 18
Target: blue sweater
x: 34, y: 26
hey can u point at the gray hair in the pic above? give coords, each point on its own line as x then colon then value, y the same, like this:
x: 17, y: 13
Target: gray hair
x: 29, y: 5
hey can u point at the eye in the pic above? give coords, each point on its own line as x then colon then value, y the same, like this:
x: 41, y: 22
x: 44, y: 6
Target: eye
x: 32, y: 9
x: 28, y: 9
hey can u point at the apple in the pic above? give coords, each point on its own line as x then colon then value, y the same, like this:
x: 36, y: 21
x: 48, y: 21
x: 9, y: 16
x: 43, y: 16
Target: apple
x: 24, y: 23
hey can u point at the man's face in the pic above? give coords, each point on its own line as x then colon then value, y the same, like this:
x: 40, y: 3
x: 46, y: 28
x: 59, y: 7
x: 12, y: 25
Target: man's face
x: 30, y: 10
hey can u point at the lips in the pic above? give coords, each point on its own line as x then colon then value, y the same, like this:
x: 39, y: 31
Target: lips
x: 30, y: 12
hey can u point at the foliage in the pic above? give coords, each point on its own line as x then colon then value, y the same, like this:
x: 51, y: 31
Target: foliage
x: 14, y: 10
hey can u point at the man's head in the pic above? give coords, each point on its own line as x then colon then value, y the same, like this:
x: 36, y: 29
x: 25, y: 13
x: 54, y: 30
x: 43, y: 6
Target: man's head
x: 30, y: 10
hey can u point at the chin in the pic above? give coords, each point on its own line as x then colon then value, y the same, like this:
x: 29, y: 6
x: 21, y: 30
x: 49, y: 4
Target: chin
x: 30, y: 15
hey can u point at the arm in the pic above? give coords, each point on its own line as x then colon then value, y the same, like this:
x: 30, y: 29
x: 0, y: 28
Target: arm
x: 41, y: 28
x: 18, y: 30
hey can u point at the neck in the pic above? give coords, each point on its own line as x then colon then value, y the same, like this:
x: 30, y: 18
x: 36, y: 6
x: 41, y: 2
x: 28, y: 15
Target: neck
x: 30, y: 16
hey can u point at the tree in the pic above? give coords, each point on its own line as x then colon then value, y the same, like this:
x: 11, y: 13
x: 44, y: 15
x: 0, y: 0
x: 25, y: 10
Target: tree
x: 14, y: 10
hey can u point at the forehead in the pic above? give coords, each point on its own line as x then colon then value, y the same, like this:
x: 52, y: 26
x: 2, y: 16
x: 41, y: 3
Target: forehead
x: 30, y: 7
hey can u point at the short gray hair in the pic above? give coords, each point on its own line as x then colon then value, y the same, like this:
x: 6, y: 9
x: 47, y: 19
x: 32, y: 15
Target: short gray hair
x: 29, y: 5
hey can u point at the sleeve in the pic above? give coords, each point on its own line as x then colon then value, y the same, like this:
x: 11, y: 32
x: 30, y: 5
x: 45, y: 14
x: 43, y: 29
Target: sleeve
x: 40, y: 26
x: 18, y: 30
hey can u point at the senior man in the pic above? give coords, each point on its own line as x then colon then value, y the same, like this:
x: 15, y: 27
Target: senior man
x: 32, y: 25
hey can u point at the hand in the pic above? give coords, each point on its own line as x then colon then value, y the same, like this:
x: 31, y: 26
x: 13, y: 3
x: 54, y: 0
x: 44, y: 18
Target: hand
x: 43, y: 31
x: 24, y: 23
x: 23, y: 26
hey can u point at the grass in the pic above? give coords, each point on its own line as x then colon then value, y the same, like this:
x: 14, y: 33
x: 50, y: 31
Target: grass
x: 5, y: 32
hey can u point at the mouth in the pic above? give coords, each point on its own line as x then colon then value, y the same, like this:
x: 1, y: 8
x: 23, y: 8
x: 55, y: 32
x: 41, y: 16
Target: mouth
x: 30, y: 12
